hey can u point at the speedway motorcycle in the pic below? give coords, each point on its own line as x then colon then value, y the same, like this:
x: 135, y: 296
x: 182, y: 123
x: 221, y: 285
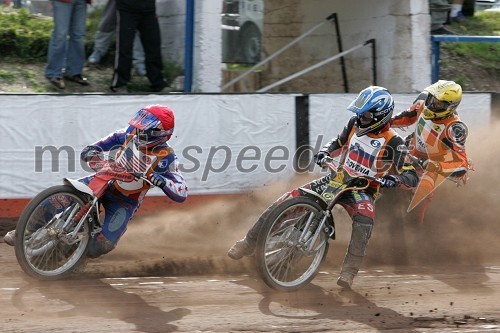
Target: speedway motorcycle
x: 54, y: 230
x: 293, y: 242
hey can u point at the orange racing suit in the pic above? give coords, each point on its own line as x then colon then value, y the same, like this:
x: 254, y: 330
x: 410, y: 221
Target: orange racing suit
x: 441, y: 143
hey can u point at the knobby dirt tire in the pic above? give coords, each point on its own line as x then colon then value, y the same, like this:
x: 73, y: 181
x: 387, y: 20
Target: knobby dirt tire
x: 21, y: 250
x: 267, y: 257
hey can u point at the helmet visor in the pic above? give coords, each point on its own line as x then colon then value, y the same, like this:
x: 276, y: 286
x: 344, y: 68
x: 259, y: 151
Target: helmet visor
x: 144, y: 120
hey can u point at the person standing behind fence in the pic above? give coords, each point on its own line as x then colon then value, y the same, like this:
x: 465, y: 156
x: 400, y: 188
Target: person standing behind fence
x: 139, y: 16
x: 105, y: 35
x: 67, y: 43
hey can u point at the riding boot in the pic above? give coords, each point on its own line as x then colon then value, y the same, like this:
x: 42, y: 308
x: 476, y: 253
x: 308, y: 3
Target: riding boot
x: 246, y: 246
x: 355, y: 252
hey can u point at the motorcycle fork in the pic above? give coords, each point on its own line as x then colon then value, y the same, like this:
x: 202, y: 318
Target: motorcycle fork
x: 88, y: 209
x: 311, y: 232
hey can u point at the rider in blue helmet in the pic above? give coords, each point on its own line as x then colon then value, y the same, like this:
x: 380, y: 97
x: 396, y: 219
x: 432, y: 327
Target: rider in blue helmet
x: 366, y: 145
x: 373, y: 108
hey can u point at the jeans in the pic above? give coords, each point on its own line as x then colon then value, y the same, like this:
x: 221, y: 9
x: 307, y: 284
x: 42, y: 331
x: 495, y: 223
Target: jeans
x: 67, y: 43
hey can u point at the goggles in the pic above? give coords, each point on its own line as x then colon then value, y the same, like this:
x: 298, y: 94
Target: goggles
x: 435, y: 105
x: 365, y: 118
x: 152, y: 134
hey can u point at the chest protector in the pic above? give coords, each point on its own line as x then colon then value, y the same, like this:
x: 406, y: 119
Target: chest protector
x: 429, y: 136
x: 365, y: 154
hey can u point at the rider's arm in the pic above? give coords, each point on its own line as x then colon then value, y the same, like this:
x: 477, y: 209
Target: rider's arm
x: 409, y: 117
x: 341, y: 139
x: 455, y: 161
x: 112, y: 141
x: 402, y: 166
x: 175, y: 186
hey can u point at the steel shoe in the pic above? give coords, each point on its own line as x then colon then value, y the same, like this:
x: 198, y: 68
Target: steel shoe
x: 10, y: 238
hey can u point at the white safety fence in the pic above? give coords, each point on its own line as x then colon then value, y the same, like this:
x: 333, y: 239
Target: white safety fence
x: 225, y: 143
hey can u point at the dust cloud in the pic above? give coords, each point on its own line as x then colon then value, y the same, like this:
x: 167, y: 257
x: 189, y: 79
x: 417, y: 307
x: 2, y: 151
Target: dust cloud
x: 460, y: 227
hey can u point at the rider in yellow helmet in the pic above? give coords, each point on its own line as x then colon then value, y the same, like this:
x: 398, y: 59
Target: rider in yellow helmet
x: 439, y: 137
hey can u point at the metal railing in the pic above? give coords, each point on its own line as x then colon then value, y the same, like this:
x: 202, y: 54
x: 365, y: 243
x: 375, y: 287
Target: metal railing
x: 436, y: 45
x: 333, y: 17
x: 326, y: 61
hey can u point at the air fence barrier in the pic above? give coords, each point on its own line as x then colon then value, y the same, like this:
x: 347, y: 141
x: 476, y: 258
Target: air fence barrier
x: 226, y: 143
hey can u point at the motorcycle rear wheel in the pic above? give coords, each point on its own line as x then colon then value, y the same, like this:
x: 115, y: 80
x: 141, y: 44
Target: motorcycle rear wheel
x: 280, y: 261
x: 41, y: 248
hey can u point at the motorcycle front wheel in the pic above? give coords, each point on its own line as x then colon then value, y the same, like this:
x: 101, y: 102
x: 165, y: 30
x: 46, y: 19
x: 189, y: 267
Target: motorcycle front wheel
x: 281, y: 260
x: 44, y: 249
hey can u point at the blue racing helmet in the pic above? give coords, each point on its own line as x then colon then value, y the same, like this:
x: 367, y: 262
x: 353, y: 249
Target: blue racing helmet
x: 373, y: 108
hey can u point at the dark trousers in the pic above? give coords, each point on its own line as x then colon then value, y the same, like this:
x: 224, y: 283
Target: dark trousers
x: 149, y: 29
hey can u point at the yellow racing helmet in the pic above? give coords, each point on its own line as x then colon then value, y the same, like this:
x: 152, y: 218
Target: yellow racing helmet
x: 442, y: 99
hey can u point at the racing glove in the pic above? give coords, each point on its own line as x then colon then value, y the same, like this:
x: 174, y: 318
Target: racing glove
x: 91, y: 153
x: 390, y: 181
x: 319, y: 156
x: 157, y: 180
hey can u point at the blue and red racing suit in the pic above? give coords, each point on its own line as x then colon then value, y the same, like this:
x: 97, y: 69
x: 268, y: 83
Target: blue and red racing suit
x: 123, y: 199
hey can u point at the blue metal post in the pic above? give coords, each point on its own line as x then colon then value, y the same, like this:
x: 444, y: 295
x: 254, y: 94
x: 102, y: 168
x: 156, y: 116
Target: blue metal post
x: 188, y: 49
x: 435, y: 60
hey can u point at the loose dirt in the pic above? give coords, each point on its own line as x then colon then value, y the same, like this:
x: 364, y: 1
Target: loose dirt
x: 170, y: 272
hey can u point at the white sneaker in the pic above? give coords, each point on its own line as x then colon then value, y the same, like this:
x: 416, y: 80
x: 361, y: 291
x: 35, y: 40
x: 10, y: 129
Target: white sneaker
x: 10, y: 237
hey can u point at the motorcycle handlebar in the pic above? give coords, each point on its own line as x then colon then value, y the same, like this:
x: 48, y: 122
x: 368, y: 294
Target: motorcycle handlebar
x: 137, y: 175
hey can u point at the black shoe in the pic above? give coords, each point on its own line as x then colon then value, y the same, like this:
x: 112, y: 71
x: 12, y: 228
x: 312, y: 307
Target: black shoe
x: 119, y: 90
x: 443, y: 31
x: 159, y: 88
x: 56, y: 81
x: 78, y: 79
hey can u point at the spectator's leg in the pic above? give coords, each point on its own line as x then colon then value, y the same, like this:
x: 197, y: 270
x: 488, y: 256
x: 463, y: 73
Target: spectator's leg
x: 127, y: 27
x: 57, y: 45
x: 456, y: 14
x: 138, y: 56
x: 105, y: 34
x: 76, y: 43
x: 151, y: 42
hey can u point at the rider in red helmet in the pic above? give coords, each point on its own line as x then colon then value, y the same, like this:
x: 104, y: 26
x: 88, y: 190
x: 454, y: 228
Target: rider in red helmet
x: 141, y: 147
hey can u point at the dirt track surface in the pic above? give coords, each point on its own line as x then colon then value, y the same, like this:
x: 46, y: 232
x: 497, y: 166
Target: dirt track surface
x: 106, y: 299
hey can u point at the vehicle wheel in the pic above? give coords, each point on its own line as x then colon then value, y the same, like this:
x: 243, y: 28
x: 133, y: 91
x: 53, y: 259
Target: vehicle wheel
x: 280, y: 259
x: 250, y: 44
x: 43, y: 249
